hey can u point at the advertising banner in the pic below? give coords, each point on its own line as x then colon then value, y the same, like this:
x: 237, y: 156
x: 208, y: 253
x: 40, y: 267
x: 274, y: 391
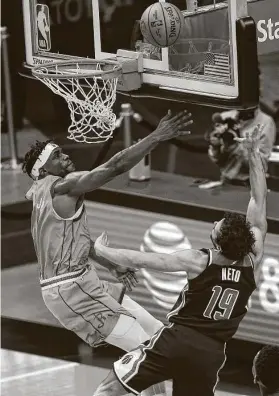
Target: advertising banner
x: 266, y: 16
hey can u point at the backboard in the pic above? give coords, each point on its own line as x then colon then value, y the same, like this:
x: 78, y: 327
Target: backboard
x: 215, y: 60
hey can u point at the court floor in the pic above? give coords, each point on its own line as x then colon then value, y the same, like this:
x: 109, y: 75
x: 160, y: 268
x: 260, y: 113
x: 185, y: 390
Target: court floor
x: 25, y: 374
x: 28, y: 374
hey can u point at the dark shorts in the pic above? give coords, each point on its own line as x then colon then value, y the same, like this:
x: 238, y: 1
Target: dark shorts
x: 191, y: 359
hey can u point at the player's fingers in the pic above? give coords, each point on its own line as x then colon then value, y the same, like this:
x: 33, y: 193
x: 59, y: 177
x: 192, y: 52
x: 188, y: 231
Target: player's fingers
x: 183, y: 119
x: 184, y: 133
x: 123, y: 280
x: 133, y: 279
x: 179, y: 116
x: 185, y: 125
x: 167, y: 116
x: 104, y: 236
x: 128, y: 284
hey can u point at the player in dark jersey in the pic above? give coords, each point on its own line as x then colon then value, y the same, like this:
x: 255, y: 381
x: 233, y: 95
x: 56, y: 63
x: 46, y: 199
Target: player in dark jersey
x: 265, y: 370
x: 191, y: 348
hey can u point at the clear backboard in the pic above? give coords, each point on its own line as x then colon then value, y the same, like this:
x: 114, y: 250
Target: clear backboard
x: 214, y: 61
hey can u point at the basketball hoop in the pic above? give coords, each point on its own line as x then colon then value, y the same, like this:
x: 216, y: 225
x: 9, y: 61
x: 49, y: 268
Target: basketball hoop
x: 89, y: 88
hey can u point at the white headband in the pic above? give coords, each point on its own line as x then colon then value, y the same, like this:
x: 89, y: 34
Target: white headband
x: 42, y: 159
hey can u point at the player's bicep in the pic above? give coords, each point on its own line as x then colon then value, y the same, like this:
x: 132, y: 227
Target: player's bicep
x: 93, y: 180
x: 256, y: 215
x: 192, y: 261
x: 68, y: 184
x: 258, y: 250
x: 80, y: 183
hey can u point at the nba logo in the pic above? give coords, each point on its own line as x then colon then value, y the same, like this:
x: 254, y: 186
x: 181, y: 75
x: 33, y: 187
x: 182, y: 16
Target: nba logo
x: 43, y: 27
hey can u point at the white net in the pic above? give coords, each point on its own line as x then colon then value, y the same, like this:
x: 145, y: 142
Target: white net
x: 89, y: 88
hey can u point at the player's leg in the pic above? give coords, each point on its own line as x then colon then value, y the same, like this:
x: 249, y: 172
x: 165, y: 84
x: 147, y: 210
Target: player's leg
x: 90, y: 318
x: 196, y: 384
x: 195, y: 364
x: 111, y: 386
x: 128, y: 335
x: 150, y: 324
x: 141, y: 368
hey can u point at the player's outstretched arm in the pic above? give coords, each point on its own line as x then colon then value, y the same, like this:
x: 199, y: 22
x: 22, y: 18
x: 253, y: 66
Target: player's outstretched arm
x: 125, y: 275
x: 99, y: 259
x: 169, y: 127
x: 191, y: 261
x: 256, y: 212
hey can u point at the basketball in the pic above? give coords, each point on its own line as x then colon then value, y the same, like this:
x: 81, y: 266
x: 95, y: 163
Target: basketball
x: 161, y: 24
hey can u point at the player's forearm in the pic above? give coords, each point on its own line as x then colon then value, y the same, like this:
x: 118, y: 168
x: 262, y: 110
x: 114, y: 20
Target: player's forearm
x: 128, y: 158
x: 132, y: 258
x: 99, y: 259
x: 257, y: 177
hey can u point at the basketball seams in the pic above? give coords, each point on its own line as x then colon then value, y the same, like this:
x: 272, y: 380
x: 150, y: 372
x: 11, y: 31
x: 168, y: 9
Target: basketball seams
x: 166, y: 27
x: 181, y: 22
x: 150, y: 30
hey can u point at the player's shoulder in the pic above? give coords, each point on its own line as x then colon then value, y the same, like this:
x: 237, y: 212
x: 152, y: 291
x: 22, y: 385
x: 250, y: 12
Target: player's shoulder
x: 205, y: 255
x: 197, y: 260
x: 197, y: 256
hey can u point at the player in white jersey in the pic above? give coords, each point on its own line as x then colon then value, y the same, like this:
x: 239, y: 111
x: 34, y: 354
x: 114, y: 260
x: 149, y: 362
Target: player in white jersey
x: 95, y: 310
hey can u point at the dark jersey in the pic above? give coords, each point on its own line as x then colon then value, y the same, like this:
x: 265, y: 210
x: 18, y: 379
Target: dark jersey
x: 215, y: 302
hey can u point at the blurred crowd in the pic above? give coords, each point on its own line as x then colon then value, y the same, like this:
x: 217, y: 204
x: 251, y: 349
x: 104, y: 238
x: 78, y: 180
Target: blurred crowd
x: 229, y: 154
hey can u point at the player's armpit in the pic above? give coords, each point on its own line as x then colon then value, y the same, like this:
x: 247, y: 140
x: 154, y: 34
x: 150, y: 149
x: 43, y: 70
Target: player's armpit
x: 258, y: 248
x: 256, y: 215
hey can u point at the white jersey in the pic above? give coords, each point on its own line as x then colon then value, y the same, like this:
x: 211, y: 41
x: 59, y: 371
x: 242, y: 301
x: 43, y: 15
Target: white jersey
x: 62, y: 245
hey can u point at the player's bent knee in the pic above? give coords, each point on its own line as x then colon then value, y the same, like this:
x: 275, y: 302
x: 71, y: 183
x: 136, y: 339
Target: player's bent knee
x: 149, y: 324
x: 127, y: 334
x: 110, y: 387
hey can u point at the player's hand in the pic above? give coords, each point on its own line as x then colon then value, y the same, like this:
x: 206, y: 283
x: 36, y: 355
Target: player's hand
x: 251, y: 139
x: 101, y: 241
x: 173, y: 126
x: 126, y: 276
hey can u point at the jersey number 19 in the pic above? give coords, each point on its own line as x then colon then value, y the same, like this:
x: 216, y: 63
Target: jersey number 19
x: 221, y: 303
